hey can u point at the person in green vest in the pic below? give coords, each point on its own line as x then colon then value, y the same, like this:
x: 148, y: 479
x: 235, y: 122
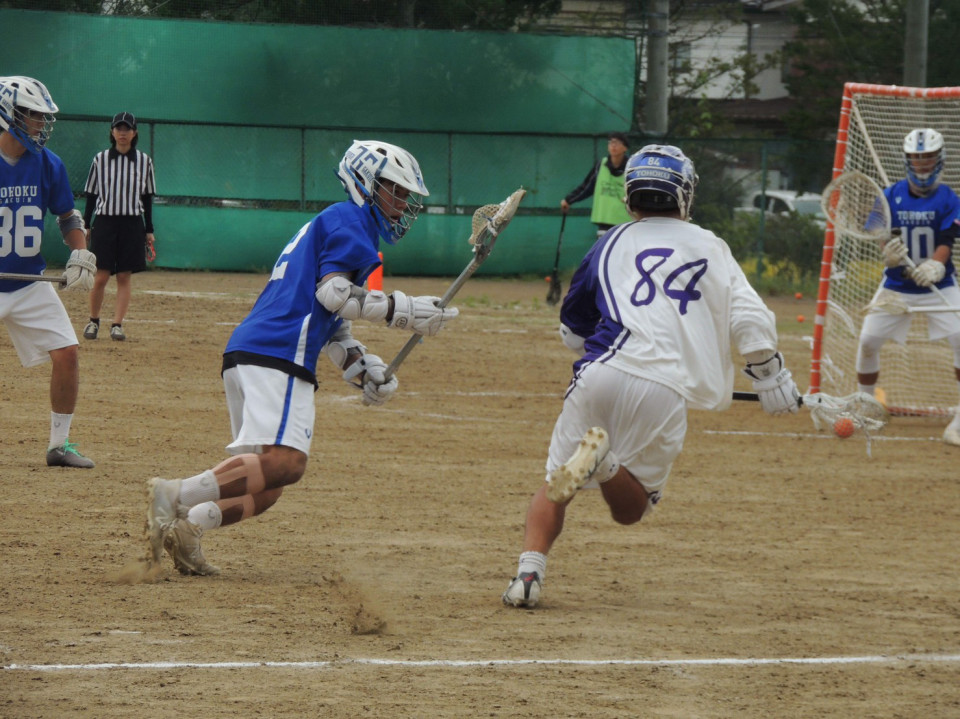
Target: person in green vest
x: 605, y: 182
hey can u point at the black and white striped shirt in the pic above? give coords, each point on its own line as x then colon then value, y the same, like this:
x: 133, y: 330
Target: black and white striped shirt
x: 121, y: 182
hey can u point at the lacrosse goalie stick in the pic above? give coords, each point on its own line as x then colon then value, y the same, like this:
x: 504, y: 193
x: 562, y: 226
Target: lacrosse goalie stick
x: 856, y: 206
x: 488, y: 222
x: 553, y: 294
x: 18, y: 277
x: 865, y: 414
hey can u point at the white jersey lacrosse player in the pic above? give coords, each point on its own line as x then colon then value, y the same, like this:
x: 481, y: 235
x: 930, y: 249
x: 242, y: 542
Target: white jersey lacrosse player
x: 926, y: 215
x: 32, y: 181
x: 269, y: 364
x: 654, y: 310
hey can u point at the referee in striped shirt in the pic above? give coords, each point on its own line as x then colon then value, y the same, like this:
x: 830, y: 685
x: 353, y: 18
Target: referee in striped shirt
x: 120, y: 190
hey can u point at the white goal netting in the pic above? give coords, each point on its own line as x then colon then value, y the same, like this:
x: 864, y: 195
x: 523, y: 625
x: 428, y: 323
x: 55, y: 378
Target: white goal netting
x: 917, y: 377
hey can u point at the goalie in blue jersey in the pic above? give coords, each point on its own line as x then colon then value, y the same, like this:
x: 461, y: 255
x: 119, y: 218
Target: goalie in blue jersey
x: 314, y: 293
x: 926, y: 214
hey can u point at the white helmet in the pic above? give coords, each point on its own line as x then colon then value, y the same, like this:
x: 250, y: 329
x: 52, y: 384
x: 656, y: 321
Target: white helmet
x: 923, y: 144
x: 660, y: 178
x: 363, y: 168
x: 19, y: 95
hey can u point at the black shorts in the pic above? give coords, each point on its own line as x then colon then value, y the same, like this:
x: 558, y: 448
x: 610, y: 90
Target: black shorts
x: 119, y: 242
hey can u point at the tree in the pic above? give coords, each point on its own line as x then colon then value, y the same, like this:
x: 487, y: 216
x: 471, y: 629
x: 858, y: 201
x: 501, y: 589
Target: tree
x: 839, y: 41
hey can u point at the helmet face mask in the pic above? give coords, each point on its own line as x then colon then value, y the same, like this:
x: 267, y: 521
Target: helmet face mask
x: 660, y: 178
x: 923, y: 157
x: 388, y: 179
x: 27, y: 111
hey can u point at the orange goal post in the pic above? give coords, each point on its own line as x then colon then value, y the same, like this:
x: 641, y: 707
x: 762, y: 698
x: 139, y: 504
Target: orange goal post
x: 916, y: 378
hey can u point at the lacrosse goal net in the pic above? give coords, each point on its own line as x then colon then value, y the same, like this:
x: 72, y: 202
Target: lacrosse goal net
x: 916, y: 378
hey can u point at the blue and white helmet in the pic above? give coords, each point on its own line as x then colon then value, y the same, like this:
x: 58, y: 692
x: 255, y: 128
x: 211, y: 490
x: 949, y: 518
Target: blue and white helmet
x: 19, y: 96
x: 660, y: 178
x: 362, y: 171
x: 923, y: 145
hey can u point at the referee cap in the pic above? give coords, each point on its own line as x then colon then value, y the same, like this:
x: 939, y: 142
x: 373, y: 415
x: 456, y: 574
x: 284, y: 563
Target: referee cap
x: 124, y: 118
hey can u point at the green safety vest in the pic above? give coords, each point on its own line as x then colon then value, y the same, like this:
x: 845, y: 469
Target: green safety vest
x: 608, y: 194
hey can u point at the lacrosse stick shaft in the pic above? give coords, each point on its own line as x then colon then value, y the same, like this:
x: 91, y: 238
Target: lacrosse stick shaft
x: 553, y: 294
x: 16, y: 276
x: 754, y: 397
x: 447, y: 296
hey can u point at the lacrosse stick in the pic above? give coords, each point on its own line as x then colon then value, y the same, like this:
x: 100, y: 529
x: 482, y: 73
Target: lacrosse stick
x: 864, y: 413
x: 553, y: 294
x: 15, y: 276
x: 893, y: 304
x: 488, y: 222
x: 856, y: 206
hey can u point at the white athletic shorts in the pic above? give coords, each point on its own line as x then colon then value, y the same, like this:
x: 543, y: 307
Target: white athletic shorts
x: 37, y: 322
x: 268, y: 407
x: 646, y: 422
x: 878, y: 323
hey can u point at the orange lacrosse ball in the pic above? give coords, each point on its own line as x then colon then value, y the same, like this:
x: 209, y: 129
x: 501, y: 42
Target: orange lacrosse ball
x: 843, y: 427
x: 800, y: 318
x: 799, y: 295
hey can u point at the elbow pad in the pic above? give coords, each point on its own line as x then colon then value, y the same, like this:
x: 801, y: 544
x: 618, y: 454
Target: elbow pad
x: 343, y: 298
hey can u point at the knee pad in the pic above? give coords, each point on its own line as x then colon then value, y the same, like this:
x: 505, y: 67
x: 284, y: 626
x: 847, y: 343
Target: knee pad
x: 868, y: 354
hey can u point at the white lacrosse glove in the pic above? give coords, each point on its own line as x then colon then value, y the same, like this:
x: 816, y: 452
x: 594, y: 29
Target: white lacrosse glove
x: 420, y: 314
x: 81, y: 267
x: 894, y: 252
x: 371, y: 371
x: 774, y: 385
x: 928, y: 273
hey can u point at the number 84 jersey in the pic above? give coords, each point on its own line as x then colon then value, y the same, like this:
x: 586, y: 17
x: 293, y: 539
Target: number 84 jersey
x: 665, y: 300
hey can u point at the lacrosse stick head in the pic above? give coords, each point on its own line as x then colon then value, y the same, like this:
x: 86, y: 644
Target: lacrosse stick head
x: 865, y: 412
x: 856, y: 206
x: 490, y: 220
x: 890, y: 302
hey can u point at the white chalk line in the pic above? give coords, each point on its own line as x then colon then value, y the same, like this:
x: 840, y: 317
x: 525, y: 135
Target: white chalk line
x: 812, y: 435
x: 467, y: 663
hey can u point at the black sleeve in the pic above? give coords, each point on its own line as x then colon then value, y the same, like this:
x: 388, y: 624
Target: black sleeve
x: 89, y: 208
x: 947, y: 236
x: 147, y: 201
x: 585, y: 188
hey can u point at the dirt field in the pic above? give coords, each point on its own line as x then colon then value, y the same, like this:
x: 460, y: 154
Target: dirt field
x: 783, y: 575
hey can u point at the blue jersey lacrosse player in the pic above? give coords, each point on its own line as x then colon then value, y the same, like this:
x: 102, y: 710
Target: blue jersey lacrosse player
x: 269, y: 365
x: 654, y: 311
x: 33, y: 180
x: 925, y: 213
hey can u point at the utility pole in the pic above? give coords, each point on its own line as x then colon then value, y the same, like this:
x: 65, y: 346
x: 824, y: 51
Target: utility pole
x: 658, y: 50
x: 915, y: 43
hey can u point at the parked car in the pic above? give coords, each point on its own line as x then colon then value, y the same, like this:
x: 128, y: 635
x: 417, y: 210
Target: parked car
x: 783, y: 202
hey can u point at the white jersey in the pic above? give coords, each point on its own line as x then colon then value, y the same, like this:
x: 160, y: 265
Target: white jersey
x: 664, y: 299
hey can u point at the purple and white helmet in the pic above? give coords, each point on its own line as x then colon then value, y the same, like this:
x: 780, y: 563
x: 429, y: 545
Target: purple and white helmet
x: 659, y: 178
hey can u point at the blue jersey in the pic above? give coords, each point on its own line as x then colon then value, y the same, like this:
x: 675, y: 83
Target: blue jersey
x: 37, y: 183
x: 287, y: 326
x: 925, y: 223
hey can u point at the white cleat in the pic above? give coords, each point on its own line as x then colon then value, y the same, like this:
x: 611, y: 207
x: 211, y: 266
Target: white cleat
x: 181, y: 539
x: 566, y: 480
x: 524, y: 591
x: 951, y: 435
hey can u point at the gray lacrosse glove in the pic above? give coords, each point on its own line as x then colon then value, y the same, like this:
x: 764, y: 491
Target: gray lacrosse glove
x: 774, y: 385
x: 81, y: 267
x: 369, y: 373
x: 894, y: 252
x: 420, y: 314
x: 928, y: 273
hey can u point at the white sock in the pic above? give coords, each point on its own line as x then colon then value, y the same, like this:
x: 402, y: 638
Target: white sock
x: 533, y: 562
x: 201, y: 488
x: 206, y: 515
x: 59, y: 428
x: 866, y: 389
